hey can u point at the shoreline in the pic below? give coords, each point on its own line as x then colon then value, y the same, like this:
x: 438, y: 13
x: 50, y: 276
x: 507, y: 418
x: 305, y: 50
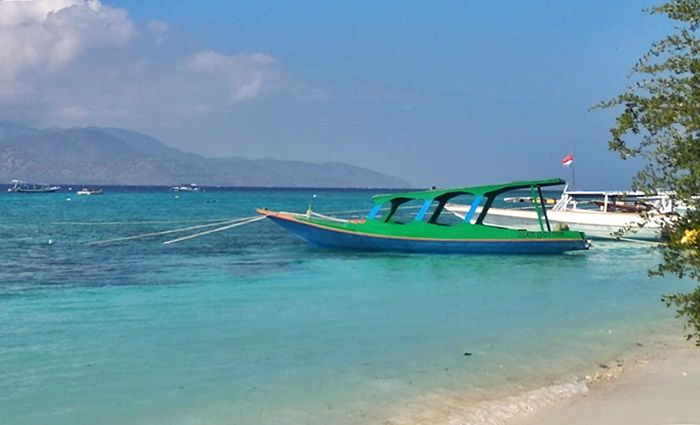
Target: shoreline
x: 655, y: 384
x: 658, y: 388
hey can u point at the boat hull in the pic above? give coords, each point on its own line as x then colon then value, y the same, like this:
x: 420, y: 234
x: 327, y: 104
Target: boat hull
x: 49, y: 190
x: 595, y: 224
x: 326, y: 237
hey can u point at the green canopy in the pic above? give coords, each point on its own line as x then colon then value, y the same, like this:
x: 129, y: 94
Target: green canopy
x: 486, y: 191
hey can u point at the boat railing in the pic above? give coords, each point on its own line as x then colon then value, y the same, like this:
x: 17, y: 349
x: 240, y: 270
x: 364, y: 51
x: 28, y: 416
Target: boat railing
x: 563, y: 201
x: 618, y: 201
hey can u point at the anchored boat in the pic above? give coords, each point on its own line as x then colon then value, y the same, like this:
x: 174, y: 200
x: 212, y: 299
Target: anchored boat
x: 425, y: 232
x: 192, y: 187
x: 86, y: 191
x: 24, y: 187
x: 602, y: 215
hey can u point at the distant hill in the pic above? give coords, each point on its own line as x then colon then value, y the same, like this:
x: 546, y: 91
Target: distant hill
x: 94, y: 155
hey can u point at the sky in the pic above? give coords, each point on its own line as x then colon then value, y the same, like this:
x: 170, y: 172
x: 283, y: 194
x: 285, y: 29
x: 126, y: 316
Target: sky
x: 447, y: 93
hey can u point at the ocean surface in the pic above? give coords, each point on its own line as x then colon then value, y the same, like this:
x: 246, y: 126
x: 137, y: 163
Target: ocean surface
x: 252, y: 326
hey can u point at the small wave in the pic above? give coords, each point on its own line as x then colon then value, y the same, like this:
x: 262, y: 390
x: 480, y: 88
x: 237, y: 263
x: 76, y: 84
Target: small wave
x: 498, y: 412
x: 452, y: 408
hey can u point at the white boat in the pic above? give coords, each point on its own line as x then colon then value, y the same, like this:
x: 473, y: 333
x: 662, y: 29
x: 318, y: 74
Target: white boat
x: 24, y: 187
x: 192, y: 187
x: 86, y: 191
x: 600, y: 215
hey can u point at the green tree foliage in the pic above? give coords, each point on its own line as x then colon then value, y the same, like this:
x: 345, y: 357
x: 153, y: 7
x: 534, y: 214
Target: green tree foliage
x: 660, y: 123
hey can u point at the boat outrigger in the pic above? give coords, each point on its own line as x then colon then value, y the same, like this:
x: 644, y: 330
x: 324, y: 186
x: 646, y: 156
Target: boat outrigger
x: 381, y: 230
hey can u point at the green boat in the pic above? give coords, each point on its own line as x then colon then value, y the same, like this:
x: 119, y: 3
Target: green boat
x: 383, y: 231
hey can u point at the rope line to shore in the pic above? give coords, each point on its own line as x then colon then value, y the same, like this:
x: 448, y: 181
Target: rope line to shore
x: 207, y: 220
x: 97, y: 223
x: 640, y: 241
x: 224, y: 223
x: 166, y: 232
x: 219, y: 229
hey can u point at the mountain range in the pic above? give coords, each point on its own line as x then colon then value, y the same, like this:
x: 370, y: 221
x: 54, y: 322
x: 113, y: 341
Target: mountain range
x: 96, y: 155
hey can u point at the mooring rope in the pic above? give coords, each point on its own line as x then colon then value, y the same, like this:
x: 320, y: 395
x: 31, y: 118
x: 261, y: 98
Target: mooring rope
x: 328, y: 217
x: 640, y: 241
x: 225, y: 223
x: 165, y: 232
x: 218, y: 229
x: 97, y: 223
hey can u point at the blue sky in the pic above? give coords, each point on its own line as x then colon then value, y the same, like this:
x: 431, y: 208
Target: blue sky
x: 440, y: 93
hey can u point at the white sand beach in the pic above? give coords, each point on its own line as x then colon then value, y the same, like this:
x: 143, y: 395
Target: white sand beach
x: 661, y: 389
x: 657, y: 385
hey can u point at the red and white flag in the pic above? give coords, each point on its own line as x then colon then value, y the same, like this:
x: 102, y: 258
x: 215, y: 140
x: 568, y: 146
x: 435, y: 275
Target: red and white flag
x: 567, y: 160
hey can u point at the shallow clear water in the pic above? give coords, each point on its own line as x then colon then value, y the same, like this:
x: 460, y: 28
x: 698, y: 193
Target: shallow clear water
x: 251, y: 326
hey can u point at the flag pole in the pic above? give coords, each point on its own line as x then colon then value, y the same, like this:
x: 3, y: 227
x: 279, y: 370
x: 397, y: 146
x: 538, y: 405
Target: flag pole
x: 568, y: 161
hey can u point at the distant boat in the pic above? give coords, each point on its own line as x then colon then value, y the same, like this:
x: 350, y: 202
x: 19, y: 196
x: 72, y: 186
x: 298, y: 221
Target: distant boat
x: 24, y: 187
x: 421, y: 232
x: 192, y: 187
x: 601, y: 214
x: 86, y: 191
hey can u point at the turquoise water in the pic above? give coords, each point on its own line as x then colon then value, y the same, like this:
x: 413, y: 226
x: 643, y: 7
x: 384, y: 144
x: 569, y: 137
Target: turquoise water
x: 251, y: 326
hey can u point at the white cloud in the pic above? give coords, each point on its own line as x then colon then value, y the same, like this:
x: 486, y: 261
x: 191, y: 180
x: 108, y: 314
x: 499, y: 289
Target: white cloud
x: 43, y: 36
x: 73, y: 113
x: 244, y: 75
x: 159, y: 29
x: 80, y: 62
